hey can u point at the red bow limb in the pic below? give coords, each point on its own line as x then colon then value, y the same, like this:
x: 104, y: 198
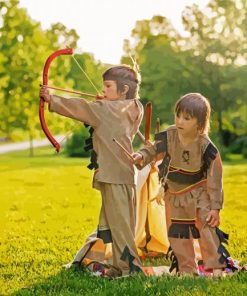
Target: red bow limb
x: 66, y: 51
x: 148, y: 121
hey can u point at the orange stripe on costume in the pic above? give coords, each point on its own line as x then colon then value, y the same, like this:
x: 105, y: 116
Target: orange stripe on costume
x: 189, y: 188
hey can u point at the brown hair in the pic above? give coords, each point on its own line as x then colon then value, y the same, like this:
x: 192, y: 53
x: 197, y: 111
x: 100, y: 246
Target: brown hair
x: 197, y: 106
x: 124, y: 75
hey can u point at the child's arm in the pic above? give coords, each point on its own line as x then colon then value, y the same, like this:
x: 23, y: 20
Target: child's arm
x: 78, y: 109
x: 152, y: 151
x: 215, y: 191
x: 146, y: 155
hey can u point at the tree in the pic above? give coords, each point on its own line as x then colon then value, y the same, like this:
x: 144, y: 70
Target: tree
x: 24, y: 48
x: 151, y: 44
x: 219, y: 36
x: 211, y: 60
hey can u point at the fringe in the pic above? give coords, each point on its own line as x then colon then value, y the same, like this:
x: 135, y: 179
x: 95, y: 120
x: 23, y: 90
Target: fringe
x: 174, y: 261
x: 183, y: 231
x: 127, y: 256
x: 89, y: 146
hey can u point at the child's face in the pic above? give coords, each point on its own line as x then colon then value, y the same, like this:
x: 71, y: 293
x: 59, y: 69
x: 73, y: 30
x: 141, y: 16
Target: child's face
x: 186, y: 125
x: 110, y: 90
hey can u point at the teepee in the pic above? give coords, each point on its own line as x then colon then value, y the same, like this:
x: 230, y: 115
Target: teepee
x: 151, y: 230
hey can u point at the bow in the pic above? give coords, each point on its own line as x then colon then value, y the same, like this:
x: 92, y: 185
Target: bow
x: 66, y: 51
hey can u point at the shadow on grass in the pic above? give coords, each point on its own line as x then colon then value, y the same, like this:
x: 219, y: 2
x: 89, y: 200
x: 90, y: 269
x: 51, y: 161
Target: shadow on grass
x: 78, y: 282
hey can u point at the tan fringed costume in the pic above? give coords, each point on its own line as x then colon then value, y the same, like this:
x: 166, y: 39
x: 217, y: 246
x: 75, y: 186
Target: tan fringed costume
x: 115, y: 176
x: 192, y: 180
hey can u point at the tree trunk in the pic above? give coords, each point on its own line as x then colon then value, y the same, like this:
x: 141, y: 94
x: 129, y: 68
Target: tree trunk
x: 220, y: 131
x: 31, y: 151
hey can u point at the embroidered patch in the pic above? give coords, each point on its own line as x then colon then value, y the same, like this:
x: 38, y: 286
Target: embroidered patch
x: 186, y: 156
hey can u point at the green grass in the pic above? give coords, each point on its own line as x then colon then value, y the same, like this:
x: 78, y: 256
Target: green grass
x: 47, y: 209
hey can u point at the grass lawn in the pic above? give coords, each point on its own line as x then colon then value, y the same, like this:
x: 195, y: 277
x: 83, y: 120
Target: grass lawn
x: 47, y: 209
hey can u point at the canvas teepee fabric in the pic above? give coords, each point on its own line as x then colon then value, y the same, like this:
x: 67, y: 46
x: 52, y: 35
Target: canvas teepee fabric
x: 151, y: 229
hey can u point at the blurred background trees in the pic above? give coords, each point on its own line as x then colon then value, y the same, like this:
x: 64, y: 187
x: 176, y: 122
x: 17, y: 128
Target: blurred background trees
x: 211, y: 58
x: 24, y: 48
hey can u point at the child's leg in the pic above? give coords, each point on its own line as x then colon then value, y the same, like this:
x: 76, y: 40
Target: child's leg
x: 182, y: 231
x: 209, y: 240
x: 103, y: 230
x: 119, y: 206
x: 185, y: 254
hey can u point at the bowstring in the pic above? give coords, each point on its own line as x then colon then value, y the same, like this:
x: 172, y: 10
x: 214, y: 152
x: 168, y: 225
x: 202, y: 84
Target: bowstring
x: 94, y: 86
x: 84, y: 72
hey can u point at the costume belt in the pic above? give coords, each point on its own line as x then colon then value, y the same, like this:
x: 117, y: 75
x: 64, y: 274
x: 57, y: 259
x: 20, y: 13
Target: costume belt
x: 185, y: 177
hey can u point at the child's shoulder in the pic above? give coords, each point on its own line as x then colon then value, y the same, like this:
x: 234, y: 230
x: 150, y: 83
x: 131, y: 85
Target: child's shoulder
x: 204, y: 139
x: 208, y: 146
x: 171, y: 129
x: 171, y: 132
x: 168, y: 132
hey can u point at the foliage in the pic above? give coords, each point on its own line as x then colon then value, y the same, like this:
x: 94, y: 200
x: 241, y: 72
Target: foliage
x: 24, y: 48
x: 75, y: 145
x: 239, y: 145
x: 93, y: 70
x: 211, y: 59
x: 48, y: 208
x: 244, y: 152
